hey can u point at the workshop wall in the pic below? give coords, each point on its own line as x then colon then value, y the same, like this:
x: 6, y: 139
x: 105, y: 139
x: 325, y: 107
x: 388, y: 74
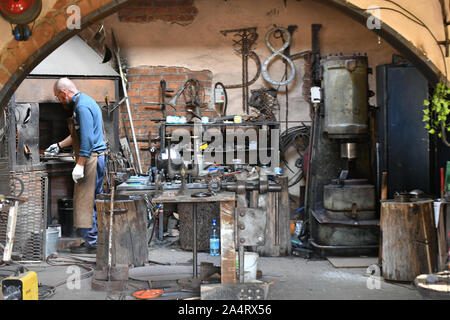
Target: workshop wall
x: 147, y: 38
x: 153, y: 39
x: 16, y: 58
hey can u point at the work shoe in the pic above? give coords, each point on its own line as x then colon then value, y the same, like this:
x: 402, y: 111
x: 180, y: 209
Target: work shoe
x: 83, y: 248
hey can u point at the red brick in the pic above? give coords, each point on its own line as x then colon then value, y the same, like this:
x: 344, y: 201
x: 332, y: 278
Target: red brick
x: 160, y: 70
x: 133, y: 78
x: 10, y: 63
x: 176, y: 77
x: 133, y: 93
x: 135, y: 19
x: 150, y: 85
x: 4, y: 77
x: 135, y: 100
x: 60, y: 21
x: 149, y: 78
x: 174, y: 85
x: 96, y: 4
x: 86, y: 7
x: 135, y: 85
x: 162, y: 11
x: 149, y: 93
x: 43, y: 33
x: 140, y: 70
x: 23, y: 51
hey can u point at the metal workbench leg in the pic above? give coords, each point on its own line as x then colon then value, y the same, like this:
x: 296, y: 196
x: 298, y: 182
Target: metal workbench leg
x: 161, y: 226
x: 194, y: 240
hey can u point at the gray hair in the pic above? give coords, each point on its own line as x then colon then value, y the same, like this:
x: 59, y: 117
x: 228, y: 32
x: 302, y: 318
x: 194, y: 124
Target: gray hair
x: 65, y: 84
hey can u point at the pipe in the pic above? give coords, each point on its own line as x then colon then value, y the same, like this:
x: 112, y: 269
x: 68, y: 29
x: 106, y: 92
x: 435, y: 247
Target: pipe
x: 124, y: 87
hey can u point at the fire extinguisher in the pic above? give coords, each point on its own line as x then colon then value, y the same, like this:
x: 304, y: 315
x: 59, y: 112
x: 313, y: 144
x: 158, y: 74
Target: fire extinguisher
x: 20, y: 13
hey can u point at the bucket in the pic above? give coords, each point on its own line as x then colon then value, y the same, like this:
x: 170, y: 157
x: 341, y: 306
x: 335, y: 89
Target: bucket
x: 51, y: 241
x: 250, y: 265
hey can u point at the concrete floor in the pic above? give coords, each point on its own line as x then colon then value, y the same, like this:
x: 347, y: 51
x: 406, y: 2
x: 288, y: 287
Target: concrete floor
x: 294, y: 278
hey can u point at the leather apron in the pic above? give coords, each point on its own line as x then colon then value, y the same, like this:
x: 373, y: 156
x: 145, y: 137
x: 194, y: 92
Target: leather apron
x: 84, y: 189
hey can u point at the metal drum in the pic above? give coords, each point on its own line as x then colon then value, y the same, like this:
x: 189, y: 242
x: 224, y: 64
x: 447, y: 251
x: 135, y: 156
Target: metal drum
x: 345, y: 85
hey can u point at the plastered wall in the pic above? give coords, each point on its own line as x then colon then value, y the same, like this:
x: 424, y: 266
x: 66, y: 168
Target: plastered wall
x: 200, y: 44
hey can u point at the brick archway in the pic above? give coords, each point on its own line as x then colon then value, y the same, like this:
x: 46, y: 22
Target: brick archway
x: 18, y: 59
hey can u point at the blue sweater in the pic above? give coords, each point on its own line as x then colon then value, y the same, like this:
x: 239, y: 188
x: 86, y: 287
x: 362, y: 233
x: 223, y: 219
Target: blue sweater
x: 88, y: 119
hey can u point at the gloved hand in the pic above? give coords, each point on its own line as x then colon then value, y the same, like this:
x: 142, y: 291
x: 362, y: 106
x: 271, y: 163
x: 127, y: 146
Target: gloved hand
x: 52, y: 150
x: 78, y: 173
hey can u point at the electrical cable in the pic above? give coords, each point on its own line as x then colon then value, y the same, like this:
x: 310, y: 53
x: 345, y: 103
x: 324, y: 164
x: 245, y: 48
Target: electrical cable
x: 290, y: 138
x: 416, y: 20
x: 225, y: 103
x: 47, y: 291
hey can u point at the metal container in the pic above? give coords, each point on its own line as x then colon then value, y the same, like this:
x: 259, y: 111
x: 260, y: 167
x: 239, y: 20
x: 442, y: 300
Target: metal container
x: 345, y: 85
x: 340, y: 197
x: 349, y: 150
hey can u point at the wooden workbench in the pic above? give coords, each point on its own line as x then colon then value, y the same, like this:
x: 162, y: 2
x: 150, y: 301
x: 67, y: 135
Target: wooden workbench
x: 227, y: 237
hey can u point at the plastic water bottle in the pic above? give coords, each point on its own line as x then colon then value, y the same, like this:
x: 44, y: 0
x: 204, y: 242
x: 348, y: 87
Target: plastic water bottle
x: 214, y: 239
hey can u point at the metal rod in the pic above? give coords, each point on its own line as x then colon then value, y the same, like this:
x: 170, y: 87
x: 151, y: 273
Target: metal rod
x: 241, y: 264
x: 277, y: 219
x: 111, y: 223
x: 130, y: 118
x: 10, y: 231
x: 194, y: 240
x: 124, y: 87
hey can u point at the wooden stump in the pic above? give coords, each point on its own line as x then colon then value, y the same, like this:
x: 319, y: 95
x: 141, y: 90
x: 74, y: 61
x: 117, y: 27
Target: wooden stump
x: 409, y: 244
x: 129, y: 240
x: 206, y: 212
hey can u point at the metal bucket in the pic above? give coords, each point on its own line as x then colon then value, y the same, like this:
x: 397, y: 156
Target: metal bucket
x: 51, y: 241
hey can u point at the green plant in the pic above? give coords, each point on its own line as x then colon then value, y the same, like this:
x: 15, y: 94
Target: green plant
x: 437, y: 110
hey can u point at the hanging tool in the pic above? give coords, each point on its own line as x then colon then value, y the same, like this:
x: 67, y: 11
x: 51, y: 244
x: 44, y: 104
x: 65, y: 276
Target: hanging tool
x: 124, y: 87
x: 11, y: 227
x: 244, y: 47
x: 280, y: 53
x: 287, y: 52
x: 161, y: 106
x: 315, y: 29
x: 110, y: 109
x: 162, y: 84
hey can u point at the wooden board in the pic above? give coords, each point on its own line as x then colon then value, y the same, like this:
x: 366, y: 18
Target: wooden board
x: 409, y: 245
x: 205, y: 213
x: 129, y: 244
x: 442, y: 239
x: 228, y: 245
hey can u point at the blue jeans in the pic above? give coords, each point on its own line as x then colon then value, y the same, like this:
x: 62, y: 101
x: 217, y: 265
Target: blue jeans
x: 90, y: 234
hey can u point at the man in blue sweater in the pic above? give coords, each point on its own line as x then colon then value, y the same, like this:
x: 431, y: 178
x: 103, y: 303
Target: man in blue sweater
x: 86, y: 138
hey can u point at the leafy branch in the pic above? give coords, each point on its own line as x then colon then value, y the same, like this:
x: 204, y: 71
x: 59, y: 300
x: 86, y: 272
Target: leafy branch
x: 437, y: 111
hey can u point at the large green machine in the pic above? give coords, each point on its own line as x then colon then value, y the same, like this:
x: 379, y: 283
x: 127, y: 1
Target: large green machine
x: 341, y: 195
